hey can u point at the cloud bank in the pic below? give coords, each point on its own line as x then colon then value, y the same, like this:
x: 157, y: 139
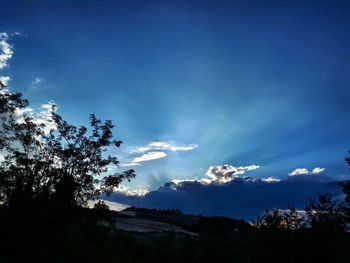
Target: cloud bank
x: 240, y: 197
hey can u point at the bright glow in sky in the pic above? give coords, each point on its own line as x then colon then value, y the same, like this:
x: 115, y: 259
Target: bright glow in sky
x: 192, y: 84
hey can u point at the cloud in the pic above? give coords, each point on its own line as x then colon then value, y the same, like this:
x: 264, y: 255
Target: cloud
x: 243, y: 197
x: 37, y: 81
x: 129, y: 164
x: 5, y: 80
x: 155, y: 150
x: 223, y: 174
x: 144, y: 158
x: 305, y: 171
x: 227, y: 173
x: 271, y: 180
x: 6, y: 51
x: 131, y: 192
x: 149, y: 156
x: 18, y: 34
x: 318, y: 170
x: 35, y: 84
x: 163, y: 146
x: 41, y: 116
x: 44, y: 116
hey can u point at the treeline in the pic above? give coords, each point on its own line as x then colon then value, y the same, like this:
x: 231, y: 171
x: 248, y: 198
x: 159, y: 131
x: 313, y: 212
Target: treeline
x: 324, y: 214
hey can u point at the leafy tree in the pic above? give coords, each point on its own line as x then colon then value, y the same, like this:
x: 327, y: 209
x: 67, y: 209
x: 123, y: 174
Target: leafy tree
x: 326, y: 213
x: 271, y: 219
x: 64, y: 165
x: 9, y: 104
x: 346, y: 185
x: 290, y: 219
x: 101, y: 205
x: 346, y: 190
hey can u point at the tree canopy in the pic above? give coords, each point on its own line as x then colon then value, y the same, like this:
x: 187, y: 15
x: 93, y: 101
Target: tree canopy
x: 54, y: 162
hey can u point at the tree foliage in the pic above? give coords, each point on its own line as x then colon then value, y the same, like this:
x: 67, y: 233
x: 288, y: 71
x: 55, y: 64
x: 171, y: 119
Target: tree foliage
x: 54, y: 162
x: 326, y: 213
x: 346, y: 185
x: 290, y: 219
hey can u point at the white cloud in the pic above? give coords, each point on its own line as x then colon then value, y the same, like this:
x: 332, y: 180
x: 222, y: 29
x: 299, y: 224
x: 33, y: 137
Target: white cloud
x: 144, y: 158
x: 4, y: 80
x: 221, y: 174
x: 6, y: 51
x: 43, y: 116
x: 318, y: 170
x: 305, y: 171
x: 131, y: 192
x: 180, y: 181
x: 149, y: 156
x: 163, y: 146
x: 226, y: 173
x: 129, y: 164
x: 271, y: 180
x: 155, y: 150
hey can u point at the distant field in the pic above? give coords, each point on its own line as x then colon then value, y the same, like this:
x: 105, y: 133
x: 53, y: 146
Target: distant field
x: 147, y: 226
x: 112, y: 205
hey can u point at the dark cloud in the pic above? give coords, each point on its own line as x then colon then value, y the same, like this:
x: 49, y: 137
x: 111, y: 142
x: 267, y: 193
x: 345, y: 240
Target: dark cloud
x: 240, y: 198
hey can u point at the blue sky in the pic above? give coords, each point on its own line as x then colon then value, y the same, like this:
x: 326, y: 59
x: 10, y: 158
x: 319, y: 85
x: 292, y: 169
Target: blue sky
x: 241, y: 83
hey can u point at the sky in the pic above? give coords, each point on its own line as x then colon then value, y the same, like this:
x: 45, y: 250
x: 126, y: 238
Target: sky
x: 212, y: 91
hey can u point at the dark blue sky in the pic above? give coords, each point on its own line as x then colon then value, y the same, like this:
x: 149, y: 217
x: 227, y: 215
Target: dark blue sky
x: 213, y: 82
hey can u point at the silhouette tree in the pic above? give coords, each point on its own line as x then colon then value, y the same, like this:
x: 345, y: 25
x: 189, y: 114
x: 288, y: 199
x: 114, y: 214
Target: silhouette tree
x: 9, y: 104
x: 290, y: 219
x: 65, y: 165
x: 346, y: 185
x: 326, y: 213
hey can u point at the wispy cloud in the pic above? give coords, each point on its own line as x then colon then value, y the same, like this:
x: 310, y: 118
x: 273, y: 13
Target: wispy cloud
x: 305, y: 171
x: 163, y: 146
x: 155, y: 150
x: 144, y: 158
x: 149, y: 156
x: 35, y: 83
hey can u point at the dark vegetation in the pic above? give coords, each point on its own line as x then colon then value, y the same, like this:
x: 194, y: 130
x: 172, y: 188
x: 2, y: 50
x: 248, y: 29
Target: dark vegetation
x: 48, y: 176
